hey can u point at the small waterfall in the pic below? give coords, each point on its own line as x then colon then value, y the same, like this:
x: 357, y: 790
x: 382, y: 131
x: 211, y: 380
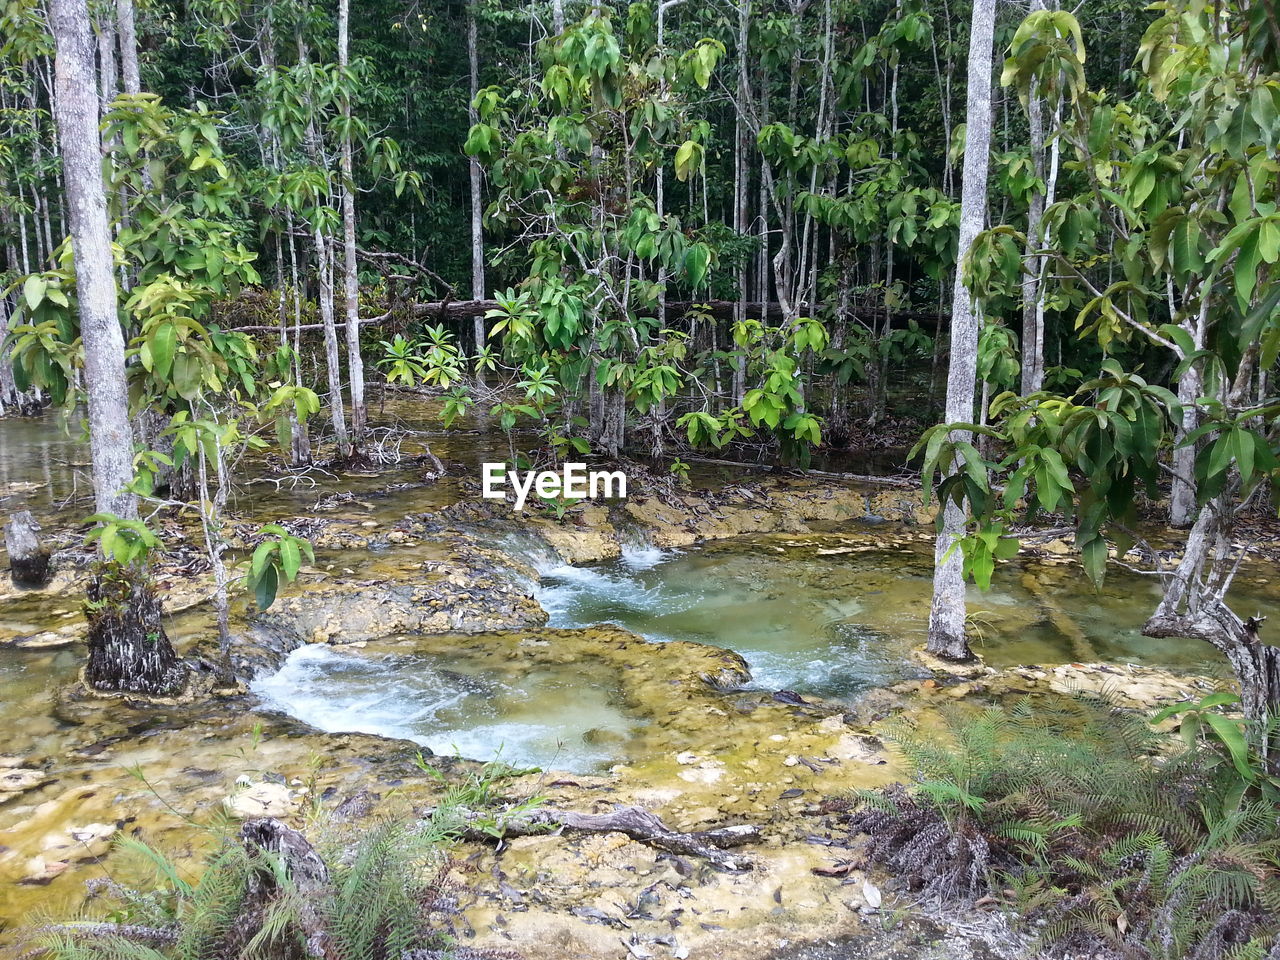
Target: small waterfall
x: 566, y: 718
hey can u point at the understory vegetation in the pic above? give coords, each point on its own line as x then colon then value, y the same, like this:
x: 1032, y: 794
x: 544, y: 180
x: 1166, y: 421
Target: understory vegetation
x: 1104, y: 836
x: 1028, y: 250
x: 364, y: 886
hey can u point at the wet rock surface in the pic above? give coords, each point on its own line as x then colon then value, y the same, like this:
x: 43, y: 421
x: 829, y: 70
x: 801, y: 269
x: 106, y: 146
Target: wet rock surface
x: 704, y: 751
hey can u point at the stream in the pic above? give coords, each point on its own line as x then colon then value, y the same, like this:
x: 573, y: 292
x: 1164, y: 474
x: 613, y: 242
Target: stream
x: 830, y: 613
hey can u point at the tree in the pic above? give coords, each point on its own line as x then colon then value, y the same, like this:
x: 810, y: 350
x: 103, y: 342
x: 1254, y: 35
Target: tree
x: 350, y: 272
x: 128, y: 648
x: 475, y: 174
x: 1166, y: 251
x: 947, y: 613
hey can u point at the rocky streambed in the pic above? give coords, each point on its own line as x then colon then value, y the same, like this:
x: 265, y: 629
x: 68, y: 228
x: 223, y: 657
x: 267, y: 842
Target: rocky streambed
x: 428, y: 629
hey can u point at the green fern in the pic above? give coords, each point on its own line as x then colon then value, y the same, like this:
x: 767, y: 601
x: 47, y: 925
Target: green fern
x: 1097, y: 825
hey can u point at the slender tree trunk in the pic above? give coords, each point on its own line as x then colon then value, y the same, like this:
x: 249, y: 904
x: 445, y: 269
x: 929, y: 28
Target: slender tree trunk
x: 324, y: 258
x: 1032, y: 310
x: 128, y: 648
x: 477, y: 206
x: 108, y: 78
x: 128, y: 32
x: 947, y: 614
x: 350, y: 276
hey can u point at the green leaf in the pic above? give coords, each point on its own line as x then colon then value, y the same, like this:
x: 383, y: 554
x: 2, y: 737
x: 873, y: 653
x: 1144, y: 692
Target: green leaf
x: 164, y: 343
x: 33, y: 290
x: 1093, y: 555
x: 696, y: 260
x: 265, y: 587
x: 290, y: 558
x: 261, y: 557
x: 1231, y: 734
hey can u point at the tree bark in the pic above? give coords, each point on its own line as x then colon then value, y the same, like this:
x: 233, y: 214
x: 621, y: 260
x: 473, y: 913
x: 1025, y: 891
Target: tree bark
x: 337, y: 413
x: 128, y: 648
x: 128, y: 34
x: 477, y: 225
x: 1032, y: 313
x: 350, y: 275
x: 76, y: 107
x: 947, y: 613
x: 28, y: 559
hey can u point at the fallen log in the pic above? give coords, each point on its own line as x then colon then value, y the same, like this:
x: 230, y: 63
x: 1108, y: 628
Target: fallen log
x: 28, y: 560
x: 638, y: 824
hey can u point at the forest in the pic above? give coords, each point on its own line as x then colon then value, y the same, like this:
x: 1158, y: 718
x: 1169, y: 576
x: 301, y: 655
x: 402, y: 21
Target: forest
x: 546, y: 479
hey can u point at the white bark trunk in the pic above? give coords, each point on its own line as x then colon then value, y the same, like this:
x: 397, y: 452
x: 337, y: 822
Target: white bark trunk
x: 350, y: 276
x: 947, y: 614
x: 76, y: 106
x: 337, y: 413
x: 128, y: 33
x: 477, y: 226
x: 1032, y: 311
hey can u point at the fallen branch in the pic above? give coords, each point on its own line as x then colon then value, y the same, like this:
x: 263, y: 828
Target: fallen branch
x: 640, y: 825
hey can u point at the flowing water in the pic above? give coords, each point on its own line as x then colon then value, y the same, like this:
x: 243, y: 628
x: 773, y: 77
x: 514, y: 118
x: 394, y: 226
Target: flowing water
x: 833, y: 615
x: 568, y: 716
x: 825, y: 614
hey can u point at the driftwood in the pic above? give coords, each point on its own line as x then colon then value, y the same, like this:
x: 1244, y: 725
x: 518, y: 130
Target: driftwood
x: 28, y: 560
x: 638, y: 824
x: 719, y: 309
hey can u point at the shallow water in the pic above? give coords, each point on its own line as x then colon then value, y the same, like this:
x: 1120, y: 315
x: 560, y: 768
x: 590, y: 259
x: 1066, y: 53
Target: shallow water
x: 565, y: 716
x: 834, y: 615
x: 825, y: 614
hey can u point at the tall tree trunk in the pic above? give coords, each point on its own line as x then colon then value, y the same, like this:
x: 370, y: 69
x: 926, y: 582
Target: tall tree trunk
x: 128, y: 648
x: 337, y: 414
x: 350, y: 276
x: 128, y: 32
x: 947, y: 614
x: 108, y: 76
x: 477, y: 225
x: 1032, y: 310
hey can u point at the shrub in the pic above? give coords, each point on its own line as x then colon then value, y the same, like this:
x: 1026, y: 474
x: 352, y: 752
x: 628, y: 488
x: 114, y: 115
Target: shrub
x: 1122, y: 840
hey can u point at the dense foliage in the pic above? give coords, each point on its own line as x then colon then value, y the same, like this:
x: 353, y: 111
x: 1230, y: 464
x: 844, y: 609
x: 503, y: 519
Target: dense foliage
x: 1119, y: 841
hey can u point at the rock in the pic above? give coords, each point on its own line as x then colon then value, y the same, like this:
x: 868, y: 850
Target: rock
x: 79, y: 843
x: 871, y: 894
x: 15, y: 780
x: 39, y: 870
x: 262, y: 800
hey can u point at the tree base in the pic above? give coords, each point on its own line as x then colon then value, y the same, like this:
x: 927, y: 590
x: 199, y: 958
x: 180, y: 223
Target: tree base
x: 32, y: 571
x: 952, y: 648
x: 129, y: 651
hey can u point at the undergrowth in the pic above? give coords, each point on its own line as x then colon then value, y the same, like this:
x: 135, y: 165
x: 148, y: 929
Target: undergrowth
x: 373, y: 889
x: 1115, y: 839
